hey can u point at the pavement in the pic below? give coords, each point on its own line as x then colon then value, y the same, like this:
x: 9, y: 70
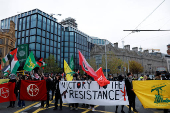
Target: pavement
x: 35, y: 107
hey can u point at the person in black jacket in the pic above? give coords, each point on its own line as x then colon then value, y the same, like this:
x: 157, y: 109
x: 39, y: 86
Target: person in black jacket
x: 130, y: 92
x: 48, y: 86
x: 57, y: 92
x: 18, y: 84
x: 120, y: 78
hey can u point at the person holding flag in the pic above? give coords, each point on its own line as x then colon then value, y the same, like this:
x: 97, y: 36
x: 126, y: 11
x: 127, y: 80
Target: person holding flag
x: 57, y: 92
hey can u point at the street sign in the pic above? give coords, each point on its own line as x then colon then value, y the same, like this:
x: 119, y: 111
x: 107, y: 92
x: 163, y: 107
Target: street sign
x: 104, y: 70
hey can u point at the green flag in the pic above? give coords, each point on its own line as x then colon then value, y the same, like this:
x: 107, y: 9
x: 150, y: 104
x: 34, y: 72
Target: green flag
x: 30, y: 63
x: 72, y: 63
x: 22, y: 53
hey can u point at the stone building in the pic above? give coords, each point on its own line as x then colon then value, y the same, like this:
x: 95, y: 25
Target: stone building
x: 150, y: 61
x: 7, y: 41
x: 168, y: 47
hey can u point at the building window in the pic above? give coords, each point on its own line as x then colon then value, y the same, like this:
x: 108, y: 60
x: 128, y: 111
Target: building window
x: 51, y: 43
x: 1, y: 41
x: 33, y: 31
x: 43, y: 33
x: 38, y: 54
x: 47, y: 41
x: 43, y: 40
x: 38, y: 39
x: 37, y: 46
x: 42, y: 54
x: 32, y: 39
x: 26, y: 40
x: 38, y: 31
x: 43, y: 48
x: 39, y: 21
x: 32, y: 46
x: 47, y: 48
x: 33, y: 20
x: 51, y: 49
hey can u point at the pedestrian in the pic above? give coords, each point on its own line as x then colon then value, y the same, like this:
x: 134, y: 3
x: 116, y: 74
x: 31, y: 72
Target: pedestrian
x: 110, y: 78
x: 145, y: 77
x: 130, y: 92
x: 57, y: 92
x: 48, y: 86
x: 91, y: 107
x: 53, y: 85
x: 120, y: 79
x: 158, y: 77
x: 75, y: 105
x: 13, y: 80
x: 18, y: 84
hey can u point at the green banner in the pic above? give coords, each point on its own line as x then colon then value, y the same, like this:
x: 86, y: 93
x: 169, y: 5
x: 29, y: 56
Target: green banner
x: 30, y: 63
x: 23, y: 51
x: 72, y: 63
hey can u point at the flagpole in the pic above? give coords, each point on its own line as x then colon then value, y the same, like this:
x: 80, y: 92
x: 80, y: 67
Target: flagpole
x: 106, y: 59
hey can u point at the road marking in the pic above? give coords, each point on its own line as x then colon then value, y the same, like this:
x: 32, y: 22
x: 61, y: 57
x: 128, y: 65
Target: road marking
x: 89, y: 109
x: 38, y: 105
x: 40, y: 109
x: 26, y: 107
x: 131, y: 108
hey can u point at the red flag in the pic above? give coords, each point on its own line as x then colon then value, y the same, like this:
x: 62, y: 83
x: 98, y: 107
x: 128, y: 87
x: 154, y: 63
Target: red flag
x: 7, y: 92
x: 33, y: 90
x: 78, y: 71
x: 86, y: 67
x: 102, y: 81
x: 14, y: 51
x: 0, y: 66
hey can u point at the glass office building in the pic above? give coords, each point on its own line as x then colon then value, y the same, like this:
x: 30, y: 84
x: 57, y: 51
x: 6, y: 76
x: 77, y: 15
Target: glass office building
x: 46, y: 36
x: 73, y: 41
x: 41, y: 31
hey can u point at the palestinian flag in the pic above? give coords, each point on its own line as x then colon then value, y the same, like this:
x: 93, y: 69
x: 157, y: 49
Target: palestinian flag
x: 14, y: 64
x: 6, y: 70
x: 9, y: 55
x: 41, y: 63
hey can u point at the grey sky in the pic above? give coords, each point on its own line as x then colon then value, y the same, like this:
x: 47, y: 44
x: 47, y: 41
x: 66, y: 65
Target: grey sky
x: 106, y: 19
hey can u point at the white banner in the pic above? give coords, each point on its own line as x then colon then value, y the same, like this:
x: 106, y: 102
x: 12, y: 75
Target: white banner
x: 91, y: 93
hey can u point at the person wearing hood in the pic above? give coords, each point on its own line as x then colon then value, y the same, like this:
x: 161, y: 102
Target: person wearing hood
x: 130, y: 92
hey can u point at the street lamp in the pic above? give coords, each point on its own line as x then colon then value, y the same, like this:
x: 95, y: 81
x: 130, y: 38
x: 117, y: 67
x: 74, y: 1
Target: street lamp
x: 106, y: 59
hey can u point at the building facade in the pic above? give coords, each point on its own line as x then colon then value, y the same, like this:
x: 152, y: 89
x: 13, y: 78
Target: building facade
x: 41, y: 31
x: 7, y: 41
x: 150, y: 62
x: 46, y: 36
x: 168, y: 47
x: 73, y: 41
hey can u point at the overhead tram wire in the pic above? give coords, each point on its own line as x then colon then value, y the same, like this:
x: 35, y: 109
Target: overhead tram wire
x: 150, y: 14
x: 144, y: 19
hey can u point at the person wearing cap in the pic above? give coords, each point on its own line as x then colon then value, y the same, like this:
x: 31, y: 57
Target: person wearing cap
x: 57, y: 92
x: 130, y: 92
x: 141, y: 77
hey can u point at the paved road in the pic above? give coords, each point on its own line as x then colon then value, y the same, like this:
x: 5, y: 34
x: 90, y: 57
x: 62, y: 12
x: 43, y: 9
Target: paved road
x: 34, y: 107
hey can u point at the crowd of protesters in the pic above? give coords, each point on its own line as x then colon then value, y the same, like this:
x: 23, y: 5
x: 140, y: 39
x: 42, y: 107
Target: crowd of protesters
x: 52, y: 85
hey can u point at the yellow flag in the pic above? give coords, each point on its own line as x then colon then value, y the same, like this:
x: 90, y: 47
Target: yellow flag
x: 153, y: 93
x: 68, y: 71
x: 4, y: 81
